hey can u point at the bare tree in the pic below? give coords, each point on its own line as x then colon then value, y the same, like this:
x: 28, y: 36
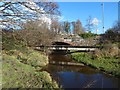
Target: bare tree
x: 56, y: 26
x: 67, y: 26
x: 116, y: 27
x: 112, y: 34
x: 89, y: 25
x: 73, y: 26
x: 79, y: 27
x: 13, y: 14
x: 35, y: 34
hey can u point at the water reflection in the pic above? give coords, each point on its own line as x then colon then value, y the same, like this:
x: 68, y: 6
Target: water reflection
x: 79, y: 76
x: 82, y: 77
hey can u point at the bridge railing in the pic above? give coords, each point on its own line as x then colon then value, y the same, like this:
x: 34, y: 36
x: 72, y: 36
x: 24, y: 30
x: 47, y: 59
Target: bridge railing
x: 69, y: 46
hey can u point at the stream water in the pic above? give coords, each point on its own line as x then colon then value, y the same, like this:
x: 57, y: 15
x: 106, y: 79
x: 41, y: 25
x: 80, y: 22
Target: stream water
x: 79, y: 76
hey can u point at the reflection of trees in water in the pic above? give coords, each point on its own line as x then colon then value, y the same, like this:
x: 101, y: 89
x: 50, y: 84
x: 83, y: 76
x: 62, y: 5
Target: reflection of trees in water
x: 79, y: 69
x: 90, y: 84
x: 89, y: 80
x: 59, y: 57
x: 81, y: 77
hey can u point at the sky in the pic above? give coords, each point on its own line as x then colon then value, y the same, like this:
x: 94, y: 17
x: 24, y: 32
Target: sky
x: 71, y: 11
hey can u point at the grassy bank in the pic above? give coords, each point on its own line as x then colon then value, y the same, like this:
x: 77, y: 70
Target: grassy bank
x: 16, y: 74
x: 21, y: 66
x: 108, y: 65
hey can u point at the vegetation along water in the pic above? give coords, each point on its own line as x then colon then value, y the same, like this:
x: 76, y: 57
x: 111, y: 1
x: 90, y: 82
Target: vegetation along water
x: 21, y: 66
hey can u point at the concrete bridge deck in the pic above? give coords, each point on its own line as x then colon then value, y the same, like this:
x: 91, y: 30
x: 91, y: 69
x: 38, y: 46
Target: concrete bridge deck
x: 67, y: 47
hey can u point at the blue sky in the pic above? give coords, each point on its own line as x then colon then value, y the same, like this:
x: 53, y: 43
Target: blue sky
x: 71, y: 11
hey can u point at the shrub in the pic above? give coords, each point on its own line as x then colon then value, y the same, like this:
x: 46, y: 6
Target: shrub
x: 97, y: 54
x: 87, y: 35
x: 108, y: 51
x: 36, y: 59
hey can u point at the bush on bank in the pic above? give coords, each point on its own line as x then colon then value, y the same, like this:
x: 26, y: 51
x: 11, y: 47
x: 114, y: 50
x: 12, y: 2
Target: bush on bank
x: 108, y: 51
x: 109, y: 65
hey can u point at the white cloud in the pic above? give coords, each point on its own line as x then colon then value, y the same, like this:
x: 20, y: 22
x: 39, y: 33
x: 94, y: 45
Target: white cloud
x: 97, y: 30
x: 95, y: 21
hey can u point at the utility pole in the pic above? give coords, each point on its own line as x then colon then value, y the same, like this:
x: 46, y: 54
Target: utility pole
x: 102, y: 16
x: 119, y: 11
x: 103, y: 29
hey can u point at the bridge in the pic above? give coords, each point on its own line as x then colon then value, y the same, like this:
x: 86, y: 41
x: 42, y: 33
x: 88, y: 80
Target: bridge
x: 68, y: 48
x: 69, y: 43
x: 76, y: 40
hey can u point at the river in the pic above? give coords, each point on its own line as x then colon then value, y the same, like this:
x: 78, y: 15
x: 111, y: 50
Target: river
x: 69, y: 76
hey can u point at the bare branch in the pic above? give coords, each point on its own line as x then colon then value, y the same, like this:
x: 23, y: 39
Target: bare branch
x: 23, y: 11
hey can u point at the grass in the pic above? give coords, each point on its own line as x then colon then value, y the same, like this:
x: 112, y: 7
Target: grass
x: 21, y: 66
x: 31, y: 57
x: 16, y: 74
x: 109, y: 65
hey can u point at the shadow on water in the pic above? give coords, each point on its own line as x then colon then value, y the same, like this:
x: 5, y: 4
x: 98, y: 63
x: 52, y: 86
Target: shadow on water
x: 79, y: 76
